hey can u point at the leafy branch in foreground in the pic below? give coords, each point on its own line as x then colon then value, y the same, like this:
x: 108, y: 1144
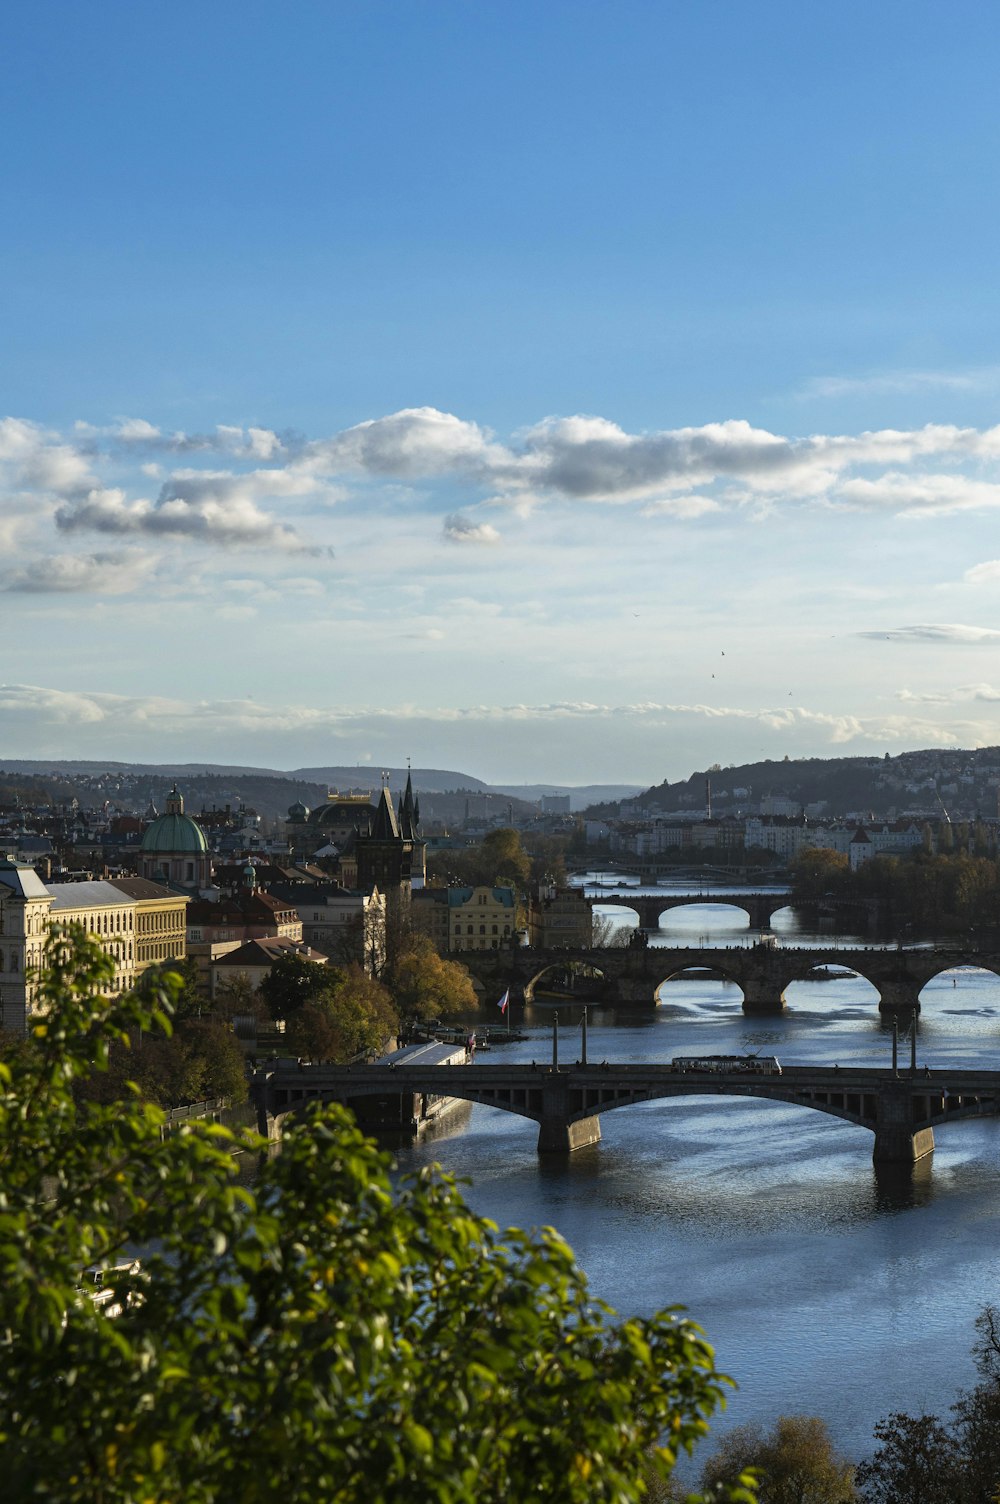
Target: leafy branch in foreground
x: 328, y: 1337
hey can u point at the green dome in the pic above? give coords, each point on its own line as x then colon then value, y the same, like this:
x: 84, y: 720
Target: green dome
x: 175, y: 831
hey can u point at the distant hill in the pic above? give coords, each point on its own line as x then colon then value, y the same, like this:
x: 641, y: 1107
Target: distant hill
x: 355, y: 776
x: 581, y: 796
x: 934, y: 781
x: 450, y: 797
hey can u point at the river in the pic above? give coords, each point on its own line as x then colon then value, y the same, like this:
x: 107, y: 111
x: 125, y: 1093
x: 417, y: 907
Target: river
x: 825, y: 1290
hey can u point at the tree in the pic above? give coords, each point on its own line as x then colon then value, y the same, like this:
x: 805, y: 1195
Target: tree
x: 424, y: 985
x: 795, y: 1462
x: 327, y: 1337
x: 218, y: 1058
x: 986, y: 1348
x: 504, y: 859
x: 191, y: 999
x: 293, y: 982
x: 607, y: 934
x: 916, y: 1463
x: 818, y: 872
x: 352, y: 1015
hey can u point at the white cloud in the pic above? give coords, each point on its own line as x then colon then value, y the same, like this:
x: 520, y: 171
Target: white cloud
x: 213, y: 515
x: 417, y: 441
x: 942, y: 632
x: 987, y: 573
x: 987, y: 378
x: 961, y: 695
x: 930, y: 495
x: 682, y: 507
x: 93, y: 574
x: 459, y: 529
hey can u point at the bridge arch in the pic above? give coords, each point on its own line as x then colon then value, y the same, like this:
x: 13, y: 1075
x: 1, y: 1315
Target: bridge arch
x: 724, y: 912
x: 577, y: 975
x: 696, y: 973
x: 963, y: 986
x: 812, y: 990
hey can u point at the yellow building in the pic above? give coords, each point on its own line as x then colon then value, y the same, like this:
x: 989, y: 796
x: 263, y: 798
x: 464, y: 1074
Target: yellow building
x: 135, y: 921
x: 466, y: 918
x: 104, y: 912
x: 24, y: 922
x: 560, y: 917
x: 160, y: 921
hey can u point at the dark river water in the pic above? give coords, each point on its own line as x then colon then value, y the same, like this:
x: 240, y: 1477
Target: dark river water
x: 824, y: 1288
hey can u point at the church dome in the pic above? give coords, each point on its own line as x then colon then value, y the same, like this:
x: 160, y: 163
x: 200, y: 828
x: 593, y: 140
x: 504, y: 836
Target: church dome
x: 175, y: 831
x: 298, y: 811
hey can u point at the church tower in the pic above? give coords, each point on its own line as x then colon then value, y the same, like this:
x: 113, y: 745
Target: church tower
x: 391, y: 854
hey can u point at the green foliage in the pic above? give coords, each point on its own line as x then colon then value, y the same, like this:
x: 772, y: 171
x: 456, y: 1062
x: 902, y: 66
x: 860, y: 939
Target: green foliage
x: 326, y: 1338
x: 500, y: 860
x: 191, y: 1000
x: 819, y: 873
x: 795, y: 1462
x: 292, y: 982
x: 946, y: 893
x: 196, y: 1060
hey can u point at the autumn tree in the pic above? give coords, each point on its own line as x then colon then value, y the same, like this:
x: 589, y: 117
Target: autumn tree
x: 424, y: 985
x: 795, y: 1462
x: 353, y: 1014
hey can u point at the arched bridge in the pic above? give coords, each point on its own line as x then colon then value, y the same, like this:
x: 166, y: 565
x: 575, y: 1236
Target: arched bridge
x: 567, y: 1102
x: 763, y: 970
x: 759, y: 907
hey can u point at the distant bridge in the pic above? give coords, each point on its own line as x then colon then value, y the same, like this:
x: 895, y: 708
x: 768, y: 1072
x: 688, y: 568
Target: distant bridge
x: 704, y: 872
x: 632, y: 973
x: 759, y: 907
x: 900, y: 1109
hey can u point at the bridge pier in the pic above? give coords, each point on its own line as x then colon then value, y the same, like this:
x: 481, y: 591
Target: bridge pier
x: 761, y: 995
x: 556, y: 1136
x: 900, y: 997
x: 898, y: 1140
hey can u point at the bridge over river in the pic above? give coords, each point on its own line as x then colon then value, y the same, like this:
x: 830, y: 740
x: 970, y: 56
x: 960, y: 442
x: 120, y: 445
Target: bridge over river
x: 762, y: 970
x: 901, y: 1108
x: 760, y: 907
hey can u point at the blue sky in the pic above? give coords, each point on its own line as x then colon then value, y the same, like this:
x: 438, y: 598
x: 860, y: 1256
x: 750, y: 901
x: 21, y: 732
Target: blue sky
x: 558, y: 391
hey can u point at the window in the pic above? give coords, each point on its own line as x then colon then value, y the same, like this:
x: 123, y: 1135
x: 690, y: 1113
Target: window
x: 482, y: 929
x: 482, y: 900
x: 494, y: 930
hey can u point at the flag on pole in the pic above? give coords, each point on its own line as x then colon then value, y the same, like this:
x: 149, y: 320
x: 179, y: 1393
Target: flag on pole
x: 502, y: 1004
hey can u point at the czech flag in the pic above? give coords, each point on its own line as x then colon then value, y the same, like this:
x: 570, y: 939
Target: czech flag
x: 502, y: 1004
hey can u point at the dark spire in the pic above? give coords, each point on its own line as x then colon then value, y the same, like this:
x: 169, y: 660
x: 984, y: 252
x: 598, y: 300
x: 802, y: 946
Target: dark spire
x: 384, y: 827
x: 409, y: 811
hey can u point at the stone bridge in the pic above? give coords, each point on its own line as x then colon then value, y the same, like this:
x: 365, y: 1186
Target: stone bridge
x: 760, y: 907
x: 762, y: 970
x: 901, y: 1109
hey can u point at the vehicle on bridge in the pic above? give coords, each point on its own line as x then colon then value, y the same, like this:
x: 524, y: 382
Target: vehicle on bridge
x: 759, y: 1065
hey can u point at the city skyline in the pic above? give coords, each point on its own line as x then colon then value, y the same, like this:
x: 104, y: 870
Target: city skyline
x: 557, y: 396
